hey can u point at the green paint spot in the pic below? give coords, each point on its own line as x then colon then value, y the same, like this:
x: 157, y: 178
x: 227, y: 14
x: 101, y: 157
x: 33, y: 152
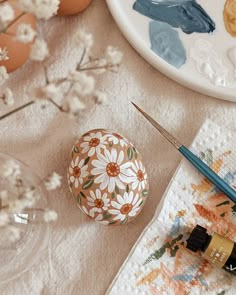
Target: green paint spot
x: 83, y: 195
x: 117, y: 190
x: 86, y: 161
x: 145, y: 193
x: 125, y: 220
x: 223, y: 203
x: 76, y: 150
x: 79, y: 200
x: 88, y: 184
x: 106, y: 215
x: 130, y: 153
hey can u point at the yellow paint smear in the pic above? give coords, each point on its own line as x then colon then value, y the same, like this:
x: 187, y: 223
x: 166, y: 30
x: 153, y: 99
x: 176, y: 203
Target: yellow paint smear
x: 149, y: 278
x: 230, y: 17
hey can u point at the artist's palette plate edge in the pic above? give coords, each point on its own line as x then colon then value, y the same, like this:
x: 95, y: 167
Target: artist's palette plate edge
x: 168, y: 70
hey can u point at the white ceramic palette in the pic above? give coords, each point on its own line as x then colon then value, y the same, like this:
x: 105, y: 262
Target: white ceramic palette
x: 209, y: 61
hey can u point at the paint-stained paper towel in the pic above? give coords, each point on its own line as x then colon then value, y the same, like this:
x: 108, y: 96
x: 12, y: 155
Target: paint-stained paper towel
x: 159, y: 263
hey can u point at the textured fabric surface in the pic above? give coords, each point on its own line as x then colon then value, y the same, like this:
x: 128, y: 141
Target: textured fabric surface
x: 159, y: 262
x: 80, y: 253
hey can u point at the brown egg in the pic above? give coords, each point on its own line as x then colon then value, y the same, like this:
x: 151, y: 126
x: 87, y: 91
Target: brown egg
x: 71, y: 7
x: 13, y: 54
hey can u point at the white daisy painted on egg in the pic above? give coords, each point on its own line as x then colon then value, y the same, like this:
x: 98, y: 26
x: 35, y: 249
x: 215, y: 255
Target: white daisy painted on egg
x: 115, y: 138
x: 78, y: 171
x: 98, y: 201
x: 93, y: 142
x: 139, y: 176
x: 109, y: 170
x: 100, y: 219
x: 90, y: 213
x: 126, y: 206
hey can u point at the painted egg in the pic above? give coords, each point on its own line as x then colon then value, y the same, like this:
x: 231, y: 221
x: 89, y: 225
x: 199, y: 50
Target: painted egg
x: 71, y: 7
x: 13, y: 54
x: 107, y: 177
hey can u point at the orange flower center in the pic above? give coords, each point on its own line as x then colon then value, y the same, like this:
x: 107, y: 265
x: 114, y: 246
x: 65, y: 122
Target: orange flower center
x: 76, y: 171
x: 140, y: 175
x: 98, y: 203
x: 126, y: 208
x: 117, y: 135
x: 113, y: 169
x: 94, y: 142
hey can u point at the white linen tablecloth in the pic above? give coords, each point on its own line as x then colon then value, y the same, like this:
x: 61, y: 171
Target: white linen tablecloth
x: 80, y: 253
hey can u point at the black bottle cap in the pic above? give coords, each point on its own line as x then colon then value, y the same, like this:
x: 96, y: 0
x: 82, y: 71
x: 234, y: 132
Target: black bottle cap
x: 198, y: 239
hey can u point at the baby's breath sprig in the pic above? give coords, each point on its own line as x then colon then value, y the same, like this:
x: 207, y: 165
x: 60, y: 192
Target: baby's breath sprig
x: 70, y: 93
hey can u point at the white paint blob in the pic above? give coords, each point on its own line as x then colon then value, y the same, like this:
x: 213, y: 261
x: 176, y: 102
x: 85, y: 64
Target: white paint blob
x: 209, y: 64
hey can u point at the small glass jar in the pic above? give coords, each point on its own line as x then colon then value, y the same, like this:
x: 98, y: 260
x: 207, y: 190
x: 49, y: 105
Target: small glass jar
x: 17, y: 257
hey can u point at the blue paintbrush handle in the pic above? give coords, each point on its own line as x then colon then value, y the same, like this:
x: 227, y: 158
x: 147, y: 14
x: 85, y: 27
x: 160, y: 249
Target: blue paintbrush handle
x: 209, y: 173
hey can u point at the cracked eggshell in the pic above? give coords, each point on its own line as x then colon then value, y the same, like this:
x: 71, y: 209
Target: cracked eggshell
x: 14, y: 53
x: 71, y: 7
x: 107, y: 177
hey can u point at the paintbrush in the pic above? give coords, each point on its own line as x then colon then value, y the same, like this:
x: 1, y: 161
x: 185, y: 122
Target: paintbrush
x: 193, y: 159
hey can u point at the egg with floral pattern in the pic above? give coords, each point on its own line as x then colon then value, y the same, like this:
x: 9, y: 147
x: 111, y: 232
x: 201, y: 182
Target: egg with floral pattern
x: 107, y: 177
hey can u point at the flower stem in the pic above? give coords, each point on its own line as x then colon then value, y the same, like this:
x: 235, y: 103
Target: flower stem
x: 81, y: 58
x: 60, y: 108
x: 17, y: 110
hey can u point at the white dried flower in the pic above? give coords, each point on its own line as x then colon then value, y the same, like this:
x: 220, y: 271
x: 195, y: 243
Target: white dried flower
x: 100, y: 96
x: 84, y: 84
x: 4, y: 218
x: 7, y: 97
x: 50, y: 216
x: 53, y: 182
x: 83, y: 39
x: 73, y: 105
x: 49, y: 91
x: 3, y: 54
x: 39, y: 50
x: 40, y: 8
x: 25, y: 33
x: 3, y: 74
x: 6, y: 15
x: 10, y: 169
x: 113, y: 56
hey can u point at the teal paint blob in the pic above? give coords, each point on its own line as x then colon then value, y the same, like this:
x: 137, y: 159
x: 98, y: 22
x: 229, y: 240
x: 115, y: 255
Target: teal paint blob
x: 187, y: 15
x: 166, y: 43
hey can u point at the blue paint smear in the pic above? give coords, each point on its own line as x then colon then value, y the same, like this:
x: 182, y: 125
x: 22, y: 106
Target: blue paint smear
x: 166, y: 43
x: 185, y: 14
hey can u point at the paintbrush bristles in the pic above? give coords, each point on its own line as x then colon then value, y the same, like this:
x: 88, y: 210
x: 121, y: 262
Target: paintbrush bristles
x: 165, y: 133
